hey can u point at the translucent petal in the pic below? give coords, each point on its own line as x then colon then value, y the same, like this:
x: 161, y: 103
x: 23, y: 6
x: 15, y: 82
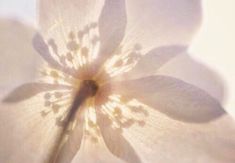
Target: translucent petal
x: 18, y: 60
x: 163, y: 139
x: 190, y: 70
x: 29, y: 90
x: 28, y: 132
x: 114, y: 140
x: 95, y: 152
x: 176, y: 62
x: 70, y: 143
x: 155, y: 23
x: 68, y: 15
x: 173, y: 97
x: 112, y: 25
x: 90, y: 24
x: 152, y: 61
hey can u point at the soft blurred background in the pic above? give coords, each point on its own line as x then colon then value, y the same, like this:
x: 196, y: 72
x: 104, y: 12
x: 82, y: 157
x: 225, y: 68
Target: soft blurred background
x: 22, y: 9
x: 214, y: 45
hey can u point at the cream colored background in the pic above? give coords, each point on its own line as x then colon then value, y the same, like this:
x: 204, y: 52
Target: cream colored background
x: 214, y: 45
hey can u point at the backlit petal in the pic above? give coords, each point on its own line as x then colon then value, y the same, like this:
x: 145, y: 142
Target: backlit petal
x: 18, y: 60
x: 95, y: 153
x: 115, y: 142
x: 163, y: 139
x: 28, y: 131
x: 151, y: 62
x: 112, y: 25
x: 68, y: 15
x: 70, y: 144
x: 173, y: 97
x: 155, y: 23
x: 192, y: 71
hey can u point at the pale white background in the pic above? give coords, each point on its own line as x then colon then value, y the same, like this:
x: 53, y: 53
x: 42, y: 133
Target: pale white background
x: 214, y: 45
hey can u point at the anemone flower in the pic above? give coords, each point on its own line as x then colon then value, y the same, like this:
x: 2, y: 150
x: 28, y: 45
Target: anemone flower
x: 97, y: 96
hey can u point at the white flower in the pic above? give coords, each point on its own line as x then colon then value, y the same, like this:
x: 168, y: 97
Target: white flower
x: 98, y: 97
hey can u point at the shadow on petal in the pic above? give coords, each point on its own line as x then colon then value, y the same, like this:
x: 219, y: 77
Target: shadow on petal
x: 29, y: 90
x: 175, y: 98
x: 114, y: 140
x: 149, y: 63
x: 112, y: 25
x: 43, y: 50
x: 155, y: 23
x: 70, y: 144
x: 19, y: 61
x: 190, y: 70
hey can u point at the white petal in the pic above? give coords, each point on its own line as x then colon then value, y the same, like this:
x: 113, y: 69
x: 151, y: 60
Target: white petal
x: 28, y: 90
x: 103, y: 21
x: 154, y: 23
x: 112, y: 25
x: 91, y: 152
x: 18, y: 60
x: 175, y: 62
x: 114, y: 140
x: 173, y: 97
x: 26, y: 136
x: 72, y: 14
x: 42, y: 48
x: 192, y: 71
x: 162, y: 139
x: 151, y: 62
x: 66, y: 149
x: 65, y: 23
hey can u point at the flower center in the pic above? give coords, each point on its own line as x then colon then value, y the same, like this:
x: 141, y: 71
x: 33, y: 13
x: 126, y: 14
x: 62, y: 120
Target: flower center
x: 89, y: 88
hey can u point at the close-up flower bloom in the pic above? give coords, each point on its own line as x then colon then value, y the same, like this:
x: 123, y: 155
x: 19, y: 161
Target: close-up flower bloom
x: 92, y: 91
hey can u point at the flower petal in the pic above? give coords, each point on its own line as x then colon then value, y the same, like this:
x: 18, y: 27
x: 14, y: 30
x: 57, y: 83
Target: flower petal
x: 70, y: 26
x: 91, y: 152
x: 43, y: 50
x: 26, y: 135
x: 173, y: 97
x: 163, y: 139
x: 112, y: 25
x: 69, y: 147
x: 29, y: 90
x: 18, y: 60
x: 189, y: 69
x: 72, y: 14
x: 162, y: 23
x: 114, y: 140
x: 152, y: 61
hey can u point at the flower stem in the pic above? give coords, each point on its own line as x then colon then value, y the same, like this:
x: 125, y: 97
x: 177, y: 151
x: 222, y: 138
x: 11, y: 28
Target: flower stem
x: 87, y: 89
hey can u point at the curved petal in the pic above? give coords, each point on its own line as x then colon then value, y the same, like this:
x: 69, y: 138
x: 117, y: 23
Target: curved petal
x: 114, y: 140
x: 91, y: 152
x: 152, y: 61
x: 112, y: 25
x: 29, y: 90
x: 173, y: 97
x: 43, y: 50
x: 27, y: 135
x: 94, y: 25
x: 18, y: 60
x: 71, y: 143
x: 162, y: 23
x: 68, y: 15
x: 190, y: 70
x: 68, y: 27
x: 163, y: 139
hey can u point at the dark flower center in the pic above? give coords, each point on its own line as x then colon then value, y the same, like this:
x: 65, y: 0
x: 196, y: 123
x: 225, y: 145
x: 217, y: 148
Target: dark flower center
x: 89, y: 88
